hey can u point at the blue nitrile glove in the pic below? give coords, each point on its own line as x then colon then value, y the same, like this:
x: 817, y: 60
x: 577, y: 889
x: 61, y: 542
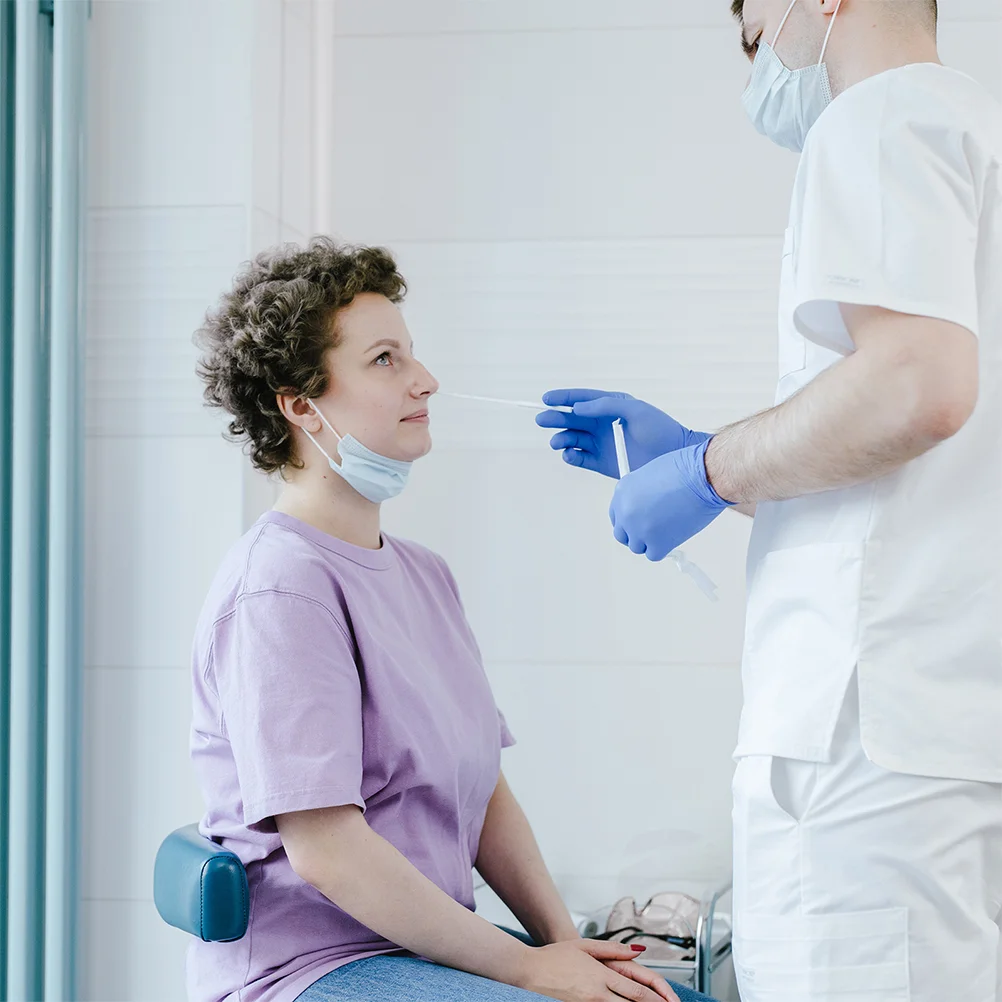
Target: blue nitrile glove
x: 587, y: 439
x: 661, y: 505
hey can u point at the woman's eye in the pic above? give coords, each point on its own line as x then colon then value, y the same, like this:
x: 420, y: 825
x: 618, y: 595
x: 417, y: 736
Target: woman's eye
x: 384, y: 359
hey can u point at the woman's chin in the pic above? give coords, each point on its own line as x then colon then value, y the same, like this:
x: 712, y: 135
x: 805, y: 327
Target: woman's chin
x: 416, y: 446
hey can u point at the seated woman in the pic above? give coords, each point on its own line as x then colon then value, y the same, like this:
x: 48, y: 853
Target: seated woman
x: 345, y: 736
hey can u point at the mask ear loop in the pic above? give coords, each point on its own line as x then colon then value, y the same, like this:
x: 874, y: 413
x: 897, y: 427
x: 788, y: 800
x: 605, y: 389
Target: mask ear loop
x: 828, y: 34
x: 319, y: 414
x: 782, y: 24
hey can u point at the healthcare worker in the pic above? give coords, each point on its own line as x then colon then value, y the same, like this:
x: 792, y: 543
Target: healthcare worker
x: 868, y: 791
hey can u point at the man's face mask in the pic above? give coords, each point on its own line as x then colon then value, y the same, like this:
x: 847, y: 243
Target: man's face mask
x: 784, y: 104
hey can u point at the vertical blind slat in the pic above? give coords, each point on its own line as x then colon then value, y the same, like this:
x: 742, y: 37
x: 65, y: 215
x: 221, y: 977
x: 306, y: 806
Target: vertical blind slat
x: 66, y: 446
x: 25, y: 927
x: 7, y: 44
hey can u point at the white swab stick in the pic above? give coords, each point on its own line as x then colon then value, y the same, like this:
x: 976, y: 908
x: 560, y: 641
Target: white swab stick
x: 622, y: 459
x: 505, y: 403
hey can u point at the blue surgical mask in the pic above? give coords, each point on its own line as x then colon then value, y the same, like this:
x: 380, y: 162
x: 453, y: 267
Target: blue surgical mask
x: 377, y: 478
x: 784, y: 104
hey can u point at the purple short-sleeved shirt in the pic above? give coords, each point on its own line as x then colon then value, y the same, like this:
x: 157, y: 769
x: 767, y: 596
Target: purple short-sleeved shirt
x: 328, y: 674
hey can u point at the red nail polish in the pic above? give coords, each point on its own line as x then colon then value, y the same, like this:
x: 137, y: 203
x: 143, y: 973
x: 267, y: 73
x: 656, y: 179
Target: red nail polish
x: 637, y: 948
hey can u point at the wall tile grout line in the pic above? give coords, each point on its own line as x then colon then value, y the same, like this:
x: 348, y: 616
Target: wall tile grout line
x: 594, y: 29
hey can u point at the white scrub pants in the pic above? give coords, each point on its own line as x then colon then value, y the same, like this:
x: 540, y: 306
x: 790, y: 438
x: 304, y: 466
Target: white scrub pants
x: 855, y: 884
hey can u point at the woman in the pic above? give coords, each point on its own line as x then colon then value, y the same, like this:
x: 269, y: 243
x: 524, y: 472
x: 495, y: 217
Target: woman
x: 345, y: 736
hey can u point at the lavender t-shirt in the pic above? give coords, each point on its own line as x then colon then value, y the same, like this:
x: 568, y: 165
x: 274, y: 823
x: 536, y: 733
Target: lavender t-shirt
x: 328, y: 674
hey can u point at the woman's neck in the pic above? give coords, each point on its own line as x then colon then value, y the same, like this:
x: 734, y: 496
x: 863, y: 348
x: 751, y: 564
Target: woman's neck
x: 331, y: 505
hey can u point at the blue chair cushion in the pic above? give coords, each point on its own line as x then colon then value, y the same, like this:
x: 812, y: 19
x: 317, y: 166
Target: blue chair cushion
x: 200, y: 887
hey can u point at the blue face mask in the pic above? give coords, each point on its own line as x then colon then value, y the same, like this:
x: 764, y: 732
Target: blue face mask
x: 784, y: 104
x: 377, y: 478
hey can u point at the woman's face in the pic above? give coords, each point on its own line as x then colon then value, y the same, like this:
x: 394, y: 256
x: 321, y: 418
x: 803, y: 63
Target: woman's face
x: 378, y: 390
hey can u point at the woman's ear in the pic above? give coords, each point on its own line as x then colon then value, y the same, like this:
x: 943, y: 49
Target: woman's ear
x: 297, y: 411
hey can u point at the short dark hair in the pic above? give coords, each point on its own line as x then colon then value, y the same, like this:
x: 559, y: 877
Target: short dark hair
x: 271, y: 332
x: 738, y: 9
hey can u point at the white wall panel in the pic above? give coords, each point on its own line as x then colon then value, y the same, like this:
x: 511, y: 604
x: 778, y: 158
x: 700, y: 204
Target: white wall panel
x: 686, y: 323
x: 153, y: 275
x: 130, y: 955
x: 138, y: 722
x: 167, y: 105
x: 268, y: 83
x: 297, y: 115
x: 265, y: 229
x: 403, y: 17
x: 160, y: 515
x: 976, y: 49
x: 623, y: 772
x: 543, y: 580
x: 556, y: 135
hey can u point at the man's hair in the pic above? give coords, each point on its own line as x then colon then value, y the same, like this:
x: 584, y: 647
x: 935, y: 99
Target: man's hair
x: 931, y: 7
x: 271, y: 332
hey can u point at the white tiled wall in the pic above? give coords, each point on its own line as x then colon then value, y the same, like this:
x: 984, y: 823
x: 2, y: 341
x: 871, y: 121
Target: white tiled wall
x: 575, y: 197
x: 201, y: 153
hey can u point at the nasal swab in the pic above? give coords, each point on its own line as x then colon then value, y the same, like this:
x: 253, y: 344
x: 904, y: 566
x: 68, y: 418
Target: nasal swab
x: 506, y: 403
x: 701, y: 579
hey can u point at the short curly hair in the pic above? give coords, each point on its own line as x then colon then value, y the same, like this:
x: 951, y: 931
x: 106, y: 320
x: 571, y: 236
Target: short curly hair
x: 270, y: 334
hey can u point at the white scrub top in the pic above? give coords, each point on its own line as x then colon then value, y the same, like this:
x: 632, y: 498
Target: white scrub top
x: 898, y: 204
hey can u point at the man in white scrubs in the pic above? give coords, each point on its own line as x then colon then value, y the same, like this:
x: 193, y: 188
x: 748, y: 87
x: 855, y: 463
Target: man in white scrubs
x: 868, y: 792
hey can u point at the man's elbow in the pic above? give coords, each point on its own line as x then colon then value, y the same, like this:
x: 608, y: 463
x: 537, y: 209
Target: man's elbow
x: 944, y: 411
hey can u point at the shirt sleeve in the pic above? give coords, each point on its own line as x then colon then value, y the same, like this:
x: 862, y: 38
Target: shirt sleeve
x: 889, y: 217
x: 291, y: 704
x: 507, y: 738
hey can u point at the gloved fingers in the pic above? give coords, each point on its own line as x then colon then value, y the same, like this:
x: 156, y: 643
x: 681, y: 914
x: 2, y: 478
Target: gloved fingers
x: 621, y: 537
x: 586, y: 460
x: 657, y: 553
x: 569, y: 397
x: 572, y: 439
x: 608, y: 407
x: 561, y: 419
x: 637, y: 546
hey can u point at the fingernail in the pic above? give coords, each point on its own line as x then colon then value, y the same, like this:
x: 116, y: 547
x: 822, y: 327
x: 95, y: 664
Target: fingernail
x: 637, y: 948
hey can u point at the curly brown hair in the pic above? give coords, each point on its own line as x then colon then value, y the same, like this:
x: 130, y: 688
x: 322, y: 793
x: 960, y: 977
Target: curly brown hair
x: 271, y: 331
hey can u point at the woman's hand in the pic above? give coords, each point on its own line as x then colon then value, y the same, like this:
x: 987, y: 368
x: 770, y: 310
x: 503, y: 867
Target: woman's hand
x: 644, y: 975
x: 579, y: 971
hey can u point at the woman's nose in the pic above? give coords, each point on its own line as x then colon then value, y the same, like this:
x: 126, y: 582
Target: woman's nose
x: 426, y: 384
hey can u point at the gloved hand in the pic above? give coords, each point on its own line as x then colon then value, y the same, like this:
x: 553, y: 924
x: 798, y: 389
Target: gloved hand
x: 661, y: 505
x: 587, y: 439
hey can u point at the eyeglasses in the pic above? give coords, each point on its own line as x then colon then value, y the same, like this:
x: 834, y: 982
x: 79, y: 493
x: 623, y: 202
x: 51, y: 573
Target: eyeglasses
x: 634, y: 932
x: 668, y: 918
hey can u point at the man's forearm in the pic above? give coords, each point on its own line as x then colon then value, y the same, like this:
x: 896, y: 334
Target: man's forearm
x: 510, y: 861
x: 859, y: 420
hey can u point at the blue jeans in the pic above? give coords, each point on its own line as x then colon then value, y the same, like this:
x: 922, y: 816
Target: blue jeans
x: 407, y: 979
